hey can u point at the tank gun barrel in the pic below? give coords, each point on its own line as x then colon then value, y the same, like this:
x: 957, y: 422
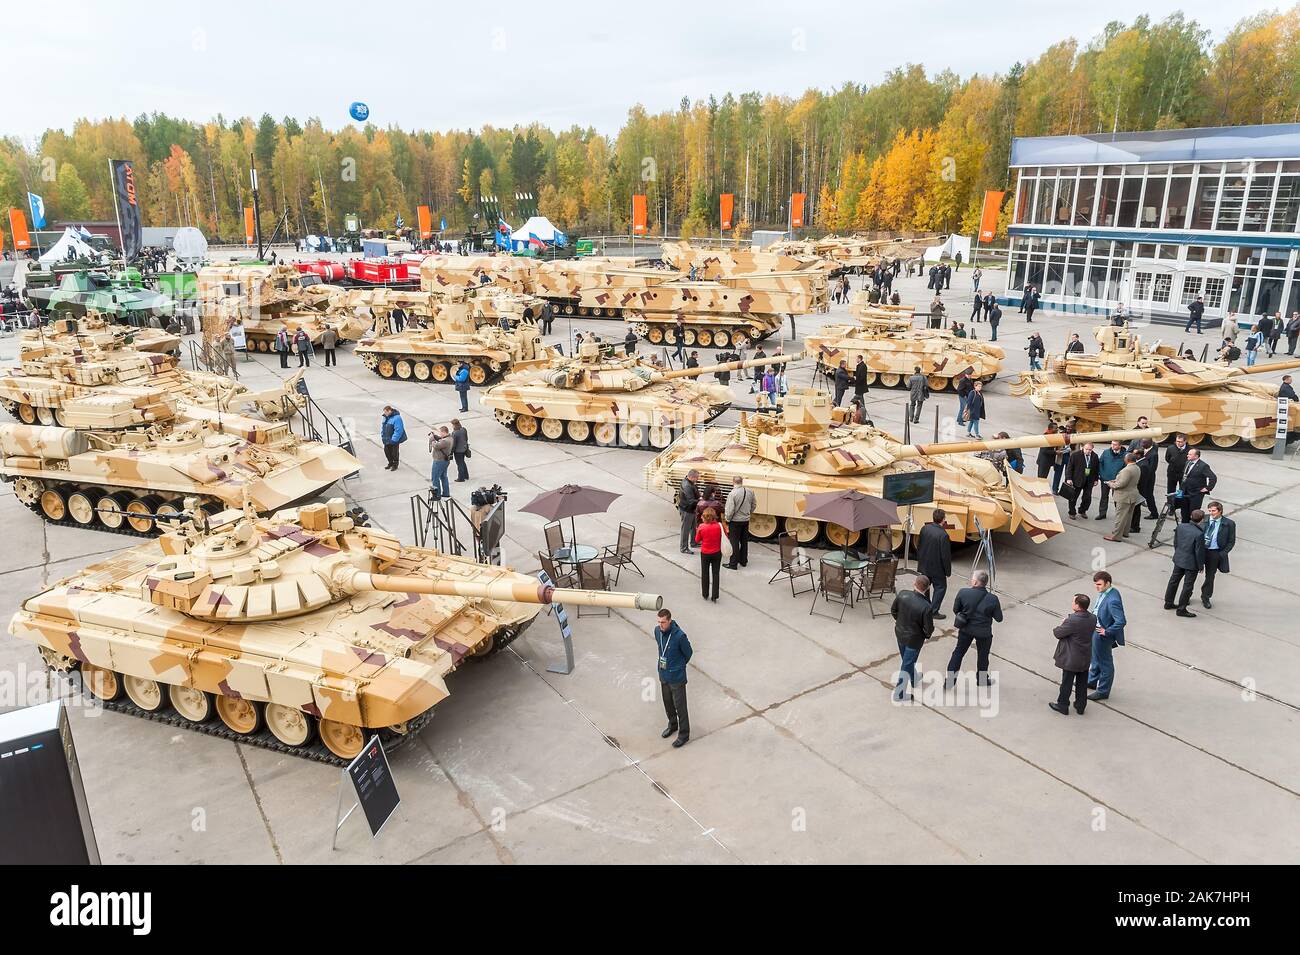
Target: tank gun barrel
x: 1264, y: 369
x: 359, y: 582
x: 732, y: 366
x: 1056, y: 440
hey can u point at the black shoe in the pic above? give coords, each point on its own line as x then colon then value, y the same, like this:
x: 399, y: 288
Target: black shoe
x: 940, y: 616
x: 1153, y: 517
x: 1059, y: 707
x: 1083, y: 515
x: 672, y: 728
x: 1205, y: 602
x: 1098, y: 696
x: 1092, y: 685
x: 731, y: 566
x: 1184, y: 612
x: 1101, y: 516
x: 681, y: 741
x: 714, y: 599
x: 686, y: 550
x: 1169, y: 606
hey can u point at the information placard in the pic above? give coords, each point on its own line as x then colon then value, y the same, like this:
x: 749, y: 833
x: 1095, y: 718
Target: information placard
x: 376, y: 791
x: 910, y: 487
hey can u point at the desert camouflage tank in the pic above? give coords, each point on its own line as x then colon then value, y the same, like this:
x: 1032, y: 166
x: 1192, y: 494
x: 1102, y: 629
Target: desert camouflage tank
x: 443, y: 273
x: 892, y: 348
x: 122, y: 481
x: 265, y: 299
x: 726, y: 263
x: 450, y: 335
x: 103, y: 383
x: 302, y: 633
x: 800, y: 452
x: 562, y: 281
x: 374, y: 307
x: 95, y: 328
x: 628, y: 401
x: 1126, y: 380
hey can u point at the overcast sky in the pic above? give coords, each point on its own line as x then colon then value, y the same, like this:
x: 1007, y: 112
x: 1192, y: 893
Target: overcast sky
x: 444, y: 65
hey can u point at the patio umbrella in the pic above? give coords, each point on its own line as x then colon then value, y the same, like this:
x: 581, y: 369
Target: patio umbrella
x: 852, y: 510
x: 570, y: 501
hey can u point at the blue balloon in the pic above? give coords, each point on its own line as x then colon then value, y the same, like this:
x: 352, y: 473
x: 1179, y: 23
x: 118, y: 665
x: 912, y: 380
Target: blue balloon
x: 360, y: 112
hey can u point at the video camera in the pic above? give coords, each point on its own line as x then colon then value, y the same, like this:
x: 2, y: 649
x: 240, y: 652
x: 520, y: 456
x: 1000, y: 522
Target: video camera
x: 487, y: 496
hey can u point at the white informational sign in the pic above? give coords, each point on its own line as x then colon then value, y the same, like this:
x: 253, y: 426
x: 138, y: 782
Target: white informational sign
x: 237, y: 336
x: 1283, y: 413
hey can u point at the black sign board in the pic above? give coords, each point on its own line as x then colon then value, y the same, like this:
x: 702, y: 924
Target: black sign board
x: 910, y: 487
x: 373, y: 782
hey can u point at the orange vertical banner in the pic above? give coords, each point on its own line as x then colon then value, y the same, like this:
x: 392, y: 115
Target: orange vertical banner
x: 796, y: 209
x: 989, y: 215
x: 249, y: 231
x: 425, y: 219
x: 726, y: 202
x: 638, y: 215
x: 18, y: 229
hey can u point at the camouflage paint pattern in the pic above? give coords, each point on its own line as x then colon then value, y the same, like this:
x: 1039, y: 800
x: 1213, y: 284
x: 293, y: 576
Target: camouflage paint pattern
x: 465, y: 273
x: 96, y: 329
x: 264, y: 299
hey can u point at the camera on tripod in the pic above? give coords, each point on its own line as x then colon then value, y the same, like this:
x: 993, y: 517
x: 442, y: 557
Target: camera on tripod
x: 487, y: 496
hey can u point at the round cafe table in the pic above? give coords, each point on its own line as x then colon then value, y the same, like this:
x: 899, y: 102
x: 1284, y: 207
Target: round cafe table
x: 575, y: 555
x: 841, y: 559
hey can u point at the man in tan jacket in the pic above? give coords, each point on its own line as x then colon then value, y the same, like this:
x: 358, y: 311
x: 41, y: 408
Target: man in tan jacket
x: 1124, y: 489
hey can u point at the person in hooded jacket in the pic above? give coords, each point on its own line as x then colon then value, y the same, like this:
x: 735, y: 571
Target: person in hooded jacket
x: 461, y: 379
x: 674, y: 653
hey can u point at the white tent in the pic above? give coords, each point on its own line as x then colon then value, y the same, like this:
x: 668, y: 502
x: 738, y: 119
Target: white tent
x: 953, y: 245
x: 71, y: 241
x: 537, y: 229
x: 189, y: 244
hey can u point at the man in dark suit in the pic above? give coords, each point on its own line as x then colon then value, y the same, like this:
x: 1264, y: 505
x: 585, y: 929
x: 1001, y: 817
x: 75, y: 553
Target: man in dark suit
x: 1175, y: 462
x: 1220, y: 538
x: 934, y: 559
x: 1108, y: 635
x: 1148, y: 465
x: 1074, y: 655
x: 976, y: 610
x: 1081, y: 470
x: 1197, y: 481
x: 1189, y: 559
x: 913, y: 625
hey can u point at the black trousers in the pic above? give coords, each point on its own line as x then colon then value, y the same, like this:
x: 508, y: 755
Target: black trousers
x: 982, y: 647
x: 304, y: 360
x: 284, y: 359
x: 679, y: 717
x: 1079, y: 680
x: 1189, y: 503
x: 1149, y: 498
x: 1214, y: 561
x: 1104, y: 501
x: 329, y: 357
x: 462, y: 472
x: 1188, y: 580
x: 710, y: 566
x: 390, y: 453
x: 1082, y: 496
x: 739, y: 535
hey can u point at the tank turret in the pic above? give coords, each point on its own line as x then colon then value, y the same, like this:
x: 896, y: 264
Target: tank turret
x: 591, y: 372
x: 284, y: 630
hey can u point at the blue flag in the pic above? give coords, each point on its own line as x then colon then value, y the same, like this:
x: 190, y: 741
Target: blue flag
x: 444, y: 223
x: 38, y: 210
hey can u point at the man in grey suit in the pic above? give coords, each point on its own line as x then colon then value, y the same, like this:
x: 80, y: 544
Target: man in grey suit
x: 1189, y: 561
x: 1074, y: 655
x: 1124, y: 490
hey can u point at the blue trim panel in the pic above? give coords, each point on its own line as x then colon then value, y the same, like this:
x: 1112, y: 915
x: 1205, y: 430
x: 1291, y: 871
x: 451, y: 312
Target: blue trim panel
x: 1244, y: 239
x: 1214, y: 144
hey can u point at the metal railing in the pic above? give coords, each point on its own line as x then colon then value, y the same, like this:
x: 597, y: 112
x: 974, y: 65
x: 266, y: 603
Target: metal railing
x: 436, y: 523
x: 314, y: 423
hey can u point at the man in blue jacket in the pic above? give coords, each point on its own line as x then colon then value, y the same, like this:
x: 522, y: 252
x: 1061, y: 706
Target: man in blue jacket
x: 1111, y: 463
x: 461, y: 378
x: 674, y: 653
x: 1108, y: 636
x: 392, y: 434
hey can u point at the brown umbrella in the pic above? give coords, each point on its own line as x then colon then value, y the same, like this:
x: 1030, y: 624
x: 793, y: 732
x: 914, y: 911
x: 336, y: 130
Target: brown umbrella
x: 852, y: 510
x: 570, y: 501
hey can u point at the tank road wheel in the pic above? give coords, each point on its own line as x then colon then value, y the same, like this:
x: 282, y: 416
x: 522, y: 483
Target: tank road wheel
x: 660, y: 438
x: 688, y: 337
x: 264, y: 346
x: 145, y: 693
x: 1219, y: 440
x: 53, y: 505
x: 633, y: 435
x: 100, y: 683
x: 552, y: 429
x: 1264, y: 442
x: 841, y: 536
x: 144, y: 506
x: 46, y: 416
x: 584, y: 310
x: 28, y: 490
x: 877, y: 540
x: 937, y: 382
x: 26, y: 414
x: 721, y: 338
x: 477, y: 374
x: 385, y: 368
x: 341, y: 739
x: 742, y: 339
x: 404, y: 369
x: 578, y: 431
x: 110, y: 512
x: 568, y: 308
x: 526, y: 425
x: 804, y: 529
x: 655, y: 336
x: 763, y: 527
x: 193, y: 705
x: 422, y: 372
x: 890, y: 380
x: 704, y: 337
x: 872, y: 378
x: 606, y: 434
x: 440, y: 371
x: 81, y: 505
x: 240, y: 715
x: 169, y: 510
x: 290, y: 726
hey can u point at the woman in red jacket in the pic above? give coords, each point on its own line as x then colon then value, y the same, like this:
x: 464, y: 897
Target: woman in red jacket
x: 709, y: 536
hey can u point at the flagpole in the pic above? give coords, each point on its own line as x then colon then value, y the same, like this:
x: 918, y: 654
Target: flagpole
x: 117, y: 212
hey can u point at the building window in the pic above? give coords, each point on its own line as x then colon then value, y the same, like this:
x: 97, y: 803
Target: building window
x: 1087, y: 195
x: 1142, y: 286
x: 1206, y: 196
x: 1213, y: 293
x: 1176, y: 206
x: 1167, y: 251
x: 1160, y: 292
x: 1153, y: 201
x: 1287, y: 205
x: 1064, y: 202
x: 1025, y: 198
x: 1128, y: 203
x: 1258, y: 203
x: 1269, y: 297
x: 1191, y: 288
x: 1197, y: 253
x: 1109, y: 202
x: 1046, y: 192
x: 1231, y: 202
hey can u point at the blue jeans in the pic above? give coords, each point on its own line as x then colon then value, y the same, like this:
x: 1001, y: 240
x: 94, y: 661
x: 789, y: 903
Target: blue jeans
x: 1102, y: 671
x: 1035, y: 364
x: 439, y: 478
x: 1190, y: 323
x: 1251, y: 356
x: 973, y: 427
x: 907, y: 670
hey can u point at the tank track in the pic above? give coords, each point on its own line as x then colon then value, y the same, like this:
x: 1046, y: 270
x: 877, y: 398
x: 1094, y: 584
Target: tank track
x: 126, y: 530
x: 492, y: 376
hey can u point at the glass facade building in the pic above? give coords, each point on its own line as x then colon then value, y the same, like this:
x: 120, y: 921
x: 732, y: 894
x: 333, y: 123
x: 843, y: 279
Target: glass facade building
x: 1152, y: 220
